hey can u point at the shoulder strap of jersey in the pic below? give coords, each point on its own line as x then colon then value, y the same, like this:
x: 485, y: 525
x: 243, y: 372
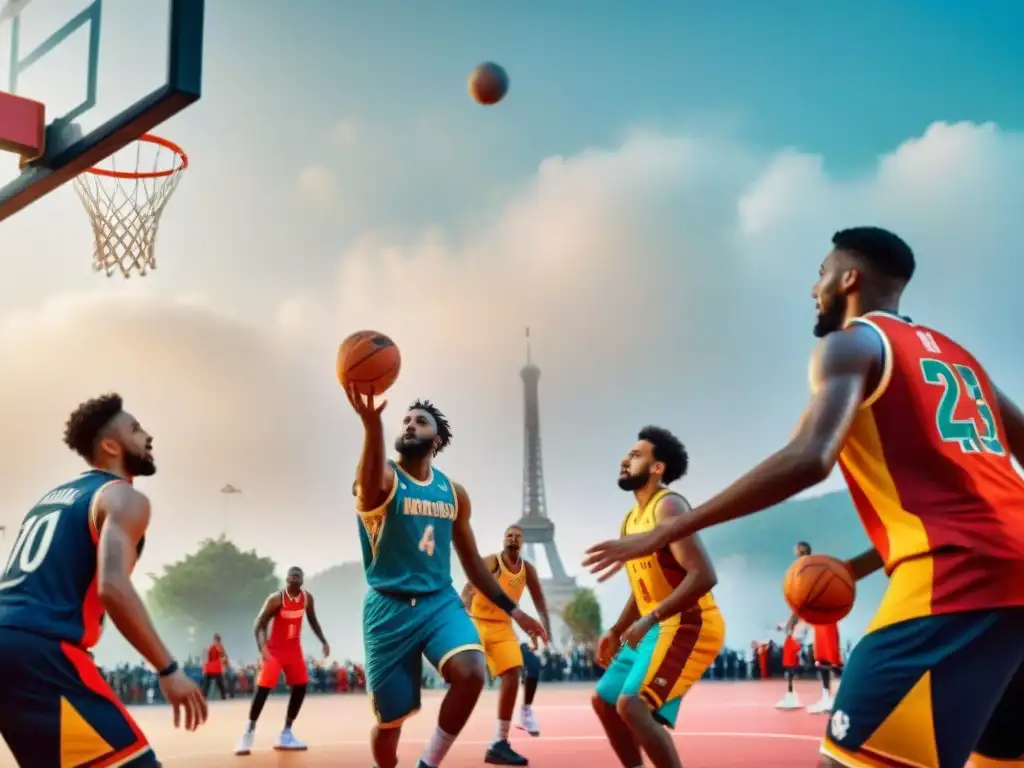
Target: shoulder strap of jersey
x: 500, y: 565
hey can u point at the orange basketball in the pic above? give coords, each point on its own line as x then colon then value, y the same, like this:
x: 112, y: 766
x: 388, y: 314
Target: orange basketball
x: 368, y: 361
x: 819, y: 589
x: 488, y: 83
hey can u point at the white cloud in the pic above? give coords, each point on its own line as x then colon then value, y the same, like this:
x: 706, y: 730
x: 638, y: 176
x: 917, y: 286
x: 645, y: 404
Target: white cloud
x: 666, y: 280
x: 317, y: 184
x: 345, y: 133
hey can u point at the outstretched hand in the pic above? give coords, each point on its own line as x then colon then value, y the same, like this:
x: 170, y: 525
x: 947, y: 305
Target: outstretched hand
x: 364, y: 405
x: 608, y: 557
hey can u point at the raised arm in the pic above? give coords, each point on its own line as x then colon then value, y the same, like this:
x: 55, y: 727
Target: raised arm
x: 374, y: 477
x: 314, y: 624
x: 537, y: 595
x: 270, y: 608
x: 469, y: 555
x: 122, y: 516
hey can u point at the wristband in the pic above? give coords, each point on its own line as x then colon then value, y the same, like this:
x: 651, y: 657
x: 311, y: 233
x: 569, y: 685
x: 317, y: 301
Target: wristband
x: 505, y: 603
x: 169, y: 670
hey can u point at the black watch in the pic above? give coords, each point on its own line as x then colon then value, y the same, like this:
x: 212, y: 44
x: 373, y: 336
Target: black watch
x: 169, y: 670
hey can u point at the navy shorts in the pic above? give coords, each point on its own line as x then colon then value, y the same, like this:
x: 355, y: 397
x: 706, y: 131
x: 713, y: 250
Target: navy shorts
x: 57, y: 711
x: 930, y: 691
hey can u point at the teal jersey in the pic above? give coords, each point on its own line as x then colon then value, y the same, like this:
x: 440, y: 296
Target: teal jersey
x: 407, y: 543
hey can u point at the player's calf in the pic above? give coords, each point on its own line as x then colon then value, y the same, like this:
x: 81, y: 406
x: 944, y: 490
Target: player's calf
x: 651, y: 735
x: 465, y: 673
x: 619, y: 734
x: 384, y: 746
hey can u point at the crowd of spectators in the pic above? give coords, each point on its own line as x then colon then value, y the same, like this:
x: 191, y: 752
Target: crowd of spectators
x: 138, y: 684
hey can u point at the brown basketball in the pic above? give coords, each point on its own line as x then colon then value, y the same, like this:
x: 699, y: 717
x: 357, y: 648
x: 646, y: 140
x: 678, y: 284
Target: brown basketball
x: 368, y: 361
x: 819, y: 589
x: 488, y: 83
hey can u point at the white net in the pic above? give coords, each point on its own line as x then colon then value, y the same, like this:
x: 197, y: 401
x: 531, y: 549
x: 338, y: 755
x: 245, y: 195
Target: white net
x: 125, y: 204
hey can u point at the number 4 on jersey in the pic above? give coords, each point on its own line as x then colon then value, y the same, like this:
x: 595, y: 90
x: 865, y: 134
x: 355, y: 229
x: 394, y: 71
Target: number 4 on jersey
x: 427, y: 542
x: 958, y: 381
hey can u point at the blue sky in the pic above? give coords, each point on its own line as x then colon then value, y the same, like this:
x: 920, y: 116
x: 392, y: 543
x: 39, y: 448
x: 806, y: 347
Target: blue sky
x: 653, y: 198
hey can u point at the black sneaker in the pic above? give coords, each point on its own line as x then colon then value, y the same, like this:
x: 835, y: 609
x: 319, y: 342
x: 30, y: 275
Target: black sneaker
x: 501, y: 753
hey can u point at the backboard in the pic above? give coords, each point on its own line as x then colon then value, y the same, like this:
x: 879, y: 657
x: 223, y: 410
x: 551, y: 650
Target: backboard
x: 104, y: 72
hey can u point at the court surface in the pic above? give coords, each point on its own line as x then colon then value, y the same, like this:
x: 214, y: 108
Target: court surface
x: 721, y: 724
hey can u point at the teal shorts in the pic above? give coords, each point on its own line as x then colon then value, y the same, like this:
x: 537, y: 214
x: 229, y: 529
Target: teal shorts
x: 397, y: 633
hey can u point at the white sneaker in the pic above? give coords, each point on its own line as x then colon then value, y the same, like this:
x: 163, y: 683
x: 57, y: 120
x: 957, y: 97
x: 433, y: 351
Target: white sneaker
x: 789, y: 701
x: 822, y: 707
x: 527, y: 722
x: 287, y: 742
x: 244, y: 746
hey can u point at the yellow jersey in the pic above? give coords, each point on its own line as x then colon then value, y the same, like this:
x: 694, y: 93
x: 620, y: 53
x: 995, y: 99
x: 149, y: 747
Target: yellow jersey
x: 654, y: 577
x: 512, y: 583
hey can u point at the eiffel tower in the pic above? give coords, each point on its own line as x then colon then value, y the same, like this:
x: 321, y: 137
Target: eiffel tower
x: 536, y: 525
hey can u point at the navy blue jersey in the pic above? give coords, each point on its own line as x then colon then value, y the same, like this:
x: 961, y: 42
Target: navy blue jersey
x: 48, y: 585
x: 407, y: 542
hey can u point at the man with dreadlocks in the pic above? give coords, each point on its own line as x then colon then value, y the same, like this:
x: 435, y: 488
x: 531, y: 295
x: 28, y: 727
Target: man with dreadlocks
x: 411, y: 515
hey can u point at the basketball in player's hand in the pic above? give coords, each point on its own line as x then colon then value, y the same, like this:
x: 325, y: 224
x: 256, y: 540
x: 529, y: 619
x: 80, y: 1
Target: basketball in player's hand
x: 368, y: 361
x: 488, y: 83
x: 819, y: 589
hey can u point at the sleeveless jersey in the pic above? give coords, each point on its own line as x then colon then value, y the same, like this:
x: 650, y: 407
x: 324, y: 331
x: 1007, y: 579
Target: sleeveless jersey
x: 286, y: 626
x: 654, y: 577
x: 214, y: 660
x: 407, y: 543
x: 48, y: 585
x: 930, y: 473
x: 512, y: 584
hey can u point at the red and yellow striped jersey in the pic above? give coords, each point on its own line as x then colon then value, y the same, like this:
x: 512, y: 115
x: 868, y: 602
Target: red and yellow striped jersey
x: 932, y: 479
x: 653, y: 578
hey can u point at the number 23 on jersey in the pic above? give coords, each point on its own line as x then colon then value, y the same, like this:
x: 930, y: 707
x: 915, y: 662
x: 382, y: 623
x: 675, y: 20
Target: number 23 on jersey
x: 961, y: 386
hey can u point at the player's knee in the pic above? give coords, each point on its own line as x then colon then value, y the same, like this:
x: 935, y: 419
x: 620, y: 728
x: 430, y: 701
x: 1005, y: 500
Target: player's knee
x: 631, y: 709
x: 601, y: 707
x: 467, y: 670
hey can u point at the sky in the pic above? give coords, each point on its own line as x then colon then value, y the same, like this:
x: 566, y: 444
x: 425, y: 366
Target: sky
x: 653, y: 199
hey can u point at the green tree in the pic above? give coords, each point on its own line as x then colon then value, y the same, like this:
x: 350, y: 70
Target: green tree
x: 582, y: 615
x: 218, y: 588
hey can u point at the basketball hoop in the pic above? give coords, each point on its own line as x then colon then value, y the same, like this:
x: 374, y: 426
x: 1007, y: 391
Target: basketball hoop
x: 125, y: 206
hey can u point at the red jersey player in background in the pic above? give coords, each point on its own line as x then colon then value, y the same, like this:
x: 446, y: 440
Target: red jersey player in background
x: 926, y: 443
x: 281, y: 650
x: 792, y: 645
x: 213, y: 668
x: 827, y: 654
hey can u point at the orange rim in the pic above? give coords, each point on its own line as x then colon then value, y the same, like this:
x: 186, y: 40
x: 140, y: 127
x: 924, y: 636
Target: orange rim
x: 149, y: 138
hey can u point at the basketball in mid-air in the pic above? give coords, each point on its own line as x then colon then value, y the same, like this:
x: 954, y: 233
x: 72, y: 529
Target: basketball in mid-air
x: 819, y: 589
x: 488, y: 84
x: 368, y: 361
